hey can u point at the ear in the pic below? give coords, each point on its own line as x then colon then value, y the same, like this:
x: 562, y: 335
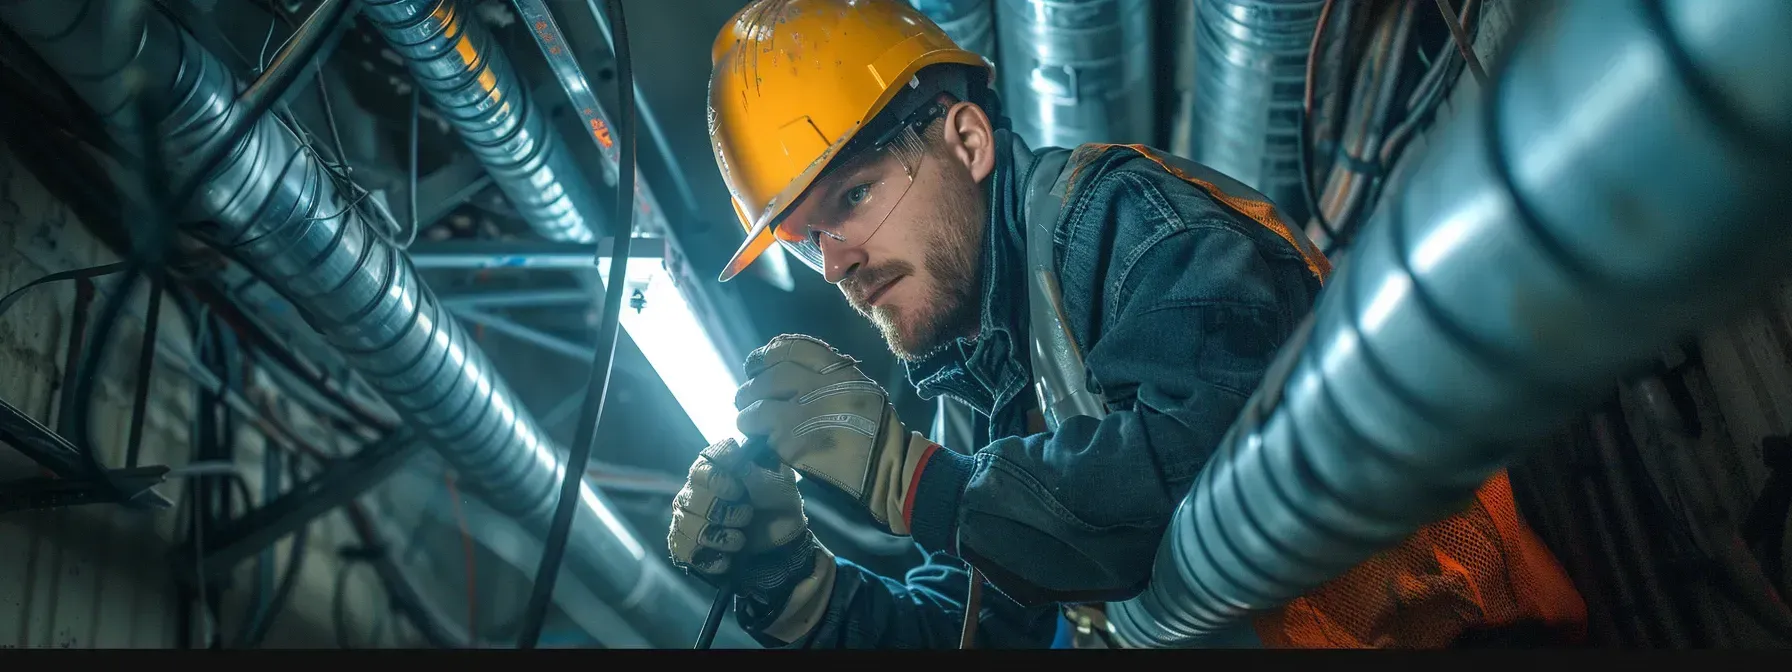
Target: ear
x: 970, y: 139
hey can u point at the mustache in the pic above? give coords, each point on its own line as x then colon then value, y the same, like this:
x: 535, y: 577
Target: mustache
x: 859, y: 285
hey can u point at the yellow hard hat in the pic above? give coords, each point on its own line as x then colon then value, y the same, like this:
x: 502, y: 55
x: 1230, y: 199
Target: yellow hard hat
x: 794, y: 81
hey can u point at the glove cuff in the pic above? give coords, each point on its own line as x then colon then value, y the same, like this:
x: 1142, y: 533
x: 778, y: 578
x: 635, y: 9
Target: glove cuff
x: 784, y: 592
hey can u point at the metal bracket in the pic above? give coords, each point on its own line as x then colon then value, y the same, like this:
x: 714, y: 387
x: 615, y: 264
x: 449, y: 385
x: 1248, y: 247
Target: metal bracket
x: 51, y: 493
x: 74, y: 483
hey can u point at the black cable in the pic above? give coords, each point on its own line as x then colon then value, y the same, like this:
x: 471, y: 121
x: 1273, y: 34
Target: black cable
x: 253, y: 634
x: 338, y: 611
x: 580, y: 454
x: 146, y: 361
x: 13, y: 297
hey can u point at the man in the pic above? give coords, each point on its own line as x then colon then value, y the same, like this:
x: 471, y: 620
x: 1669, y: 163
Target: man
x: 859, y: 138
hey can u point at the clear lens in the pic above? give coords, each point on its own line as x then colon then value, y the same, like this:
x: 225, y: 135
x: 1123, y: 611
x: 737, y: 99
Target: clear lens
x: 851, y: 204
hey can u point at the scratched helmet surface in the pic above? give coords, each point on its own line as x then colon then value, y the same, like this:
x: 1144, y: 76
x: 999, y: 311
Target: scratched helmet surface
x: 793, y: 81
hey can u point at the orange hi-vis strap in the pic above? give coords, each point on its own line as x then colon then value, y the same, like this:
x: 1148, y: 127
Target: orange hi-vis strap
x: 1229, y: 192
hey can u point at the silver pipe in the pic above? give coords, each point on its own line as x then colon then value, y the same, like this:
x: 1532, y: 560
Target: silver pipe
x: 970, y: 23
x: 1077, y: 71
x: 1242, y: 111
x: 472, y: 84
x: 272, y: 203
x: 1620, y: 183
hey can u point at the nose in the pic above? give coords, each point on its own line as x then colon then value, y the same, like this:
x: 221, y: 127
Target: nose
x: 839, y: 258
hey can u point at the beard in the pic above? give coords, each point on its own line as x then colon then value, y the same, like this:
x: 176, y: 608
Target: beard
x: 949, y: 308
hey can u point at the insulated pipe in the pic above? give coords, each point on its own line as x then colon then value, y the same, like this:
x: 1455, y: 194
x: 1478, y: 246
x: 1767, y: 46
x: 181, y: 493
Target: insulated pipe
x: 472, y: 83
x: 272, y: 204
x: 1621, y: 182
x: 1243, y: 111
x: 1077, y: 71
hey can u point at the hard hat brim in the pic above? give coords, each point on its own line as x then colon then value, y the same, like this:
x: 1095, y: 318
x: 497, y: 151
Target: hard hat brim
x: 758, y: 240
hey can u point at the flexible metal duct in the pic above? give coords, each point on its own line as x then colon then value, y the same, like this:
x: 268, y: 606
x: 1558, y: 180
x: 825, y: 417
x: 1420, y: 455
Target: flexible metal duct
x: 970, y: 23
x: 276, y: 207
x: 1077, y: 71
x: 1622, y: 182
x: 472, y: 83
x: 1243, y: 110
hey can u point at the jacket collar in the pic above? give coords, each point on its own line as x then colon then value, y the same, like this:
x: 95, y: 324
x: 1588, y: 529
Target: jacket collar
x: 988, y: 370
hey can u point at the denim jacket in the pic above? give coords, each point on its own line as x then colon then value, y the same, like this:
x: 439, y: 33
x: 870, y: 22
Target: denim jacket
x: 1178, y: 285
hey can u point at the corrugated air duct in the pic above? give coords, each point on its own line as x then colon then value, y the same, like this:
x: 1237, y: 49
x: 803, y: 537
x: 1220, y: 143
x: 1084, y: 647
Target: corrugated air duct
x: 276, y: 208
x: 1243, y: 109
x: 1077, y: 71
x: 471, y: 83
x: 1621, y: 183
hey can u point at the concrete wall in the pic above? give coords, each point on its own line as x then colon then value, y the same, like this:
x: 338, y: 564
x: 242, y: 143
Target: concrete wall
x: 98, y: 575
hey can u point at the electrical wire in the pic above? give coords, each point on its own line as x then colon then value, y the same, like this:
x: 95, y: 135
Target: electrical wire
x: 1421, y: 109
x: 1382, y: 81
x: 1463, y: 44
x: 598, y: 385
x: 1306, y: 120
x: 263, y: 343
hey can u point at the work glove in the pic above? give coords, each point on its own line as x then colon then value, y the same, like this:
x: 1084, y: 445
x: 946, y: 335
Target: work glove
x: 832, y: 423
x: 738, y: 523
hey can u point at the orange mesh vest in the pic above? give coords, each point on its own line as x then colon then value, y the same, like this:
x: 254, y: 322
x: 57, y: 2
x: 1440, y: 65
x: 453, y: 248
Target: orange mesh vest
x: 1482, y: 568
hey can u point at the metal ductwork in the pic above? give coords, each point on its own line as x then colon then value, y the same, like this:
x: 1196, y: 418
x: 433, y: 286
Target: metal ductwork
x: 970, y: 23
x: 273, y: 204
x: 1242, y: 111
x: 1077, y: 71
x: 472, y: 84
x: 1621, y: 182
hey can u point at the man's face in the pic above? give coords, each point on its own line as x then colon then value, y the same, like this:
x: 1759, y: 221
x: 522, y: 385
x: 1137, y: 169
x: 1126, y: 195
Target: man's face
x: 904, y: 252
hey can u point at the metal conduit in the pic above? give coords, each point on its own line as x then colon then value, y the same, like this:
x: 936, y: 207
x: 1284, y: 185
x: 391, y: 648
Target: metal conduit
x: 970, y: 23
x: 1621, y: 182
x: 472, y: 83
x: 273, y: 204
x: 1077, y: 71
x: 1244, y: 109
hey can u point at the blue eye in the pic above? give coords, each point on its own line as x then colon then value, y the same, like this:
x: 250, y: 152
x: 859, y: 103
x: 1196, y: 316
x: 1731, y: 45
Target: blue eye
x: 857, y: 195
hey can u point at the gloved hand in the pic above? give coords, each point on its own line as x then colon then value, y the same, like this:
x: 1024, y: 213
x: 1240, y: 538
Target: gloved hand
x: 736, y: 521
x: 832, y: 423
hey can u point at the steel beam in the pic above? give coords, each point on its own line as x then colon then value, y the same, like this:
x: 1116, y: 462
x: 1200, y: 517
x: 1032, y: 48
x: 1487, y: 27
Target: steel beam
x: 472, y: 254
x: 535, y: 337
x: 519, y: 298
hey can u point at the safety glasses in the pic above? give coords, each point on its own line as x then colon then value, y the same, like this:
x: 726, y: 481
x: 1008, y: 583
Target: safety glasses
x: 850, y: 203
